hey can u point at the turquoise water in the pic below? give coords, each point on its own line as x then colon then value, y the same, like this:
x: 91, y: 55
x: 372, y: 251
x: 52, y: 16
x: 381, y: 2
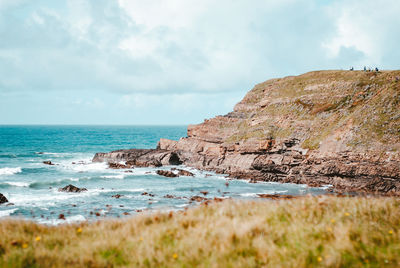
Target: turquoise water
x: 32, y: 187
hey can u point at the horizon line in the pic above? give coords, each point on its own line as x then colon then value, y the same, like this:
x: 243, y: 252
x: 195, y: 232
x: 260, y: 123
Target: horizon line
x: 134, y: 125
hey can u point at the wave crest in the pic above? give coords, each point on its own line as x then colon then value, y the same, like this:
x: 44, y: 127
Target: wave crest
x: 10, y: 171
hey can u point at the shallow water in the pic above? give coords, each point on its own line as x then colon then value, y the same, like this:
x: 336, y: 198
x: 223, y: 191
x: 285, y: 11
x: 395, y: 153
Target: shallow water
x: 33, y: 186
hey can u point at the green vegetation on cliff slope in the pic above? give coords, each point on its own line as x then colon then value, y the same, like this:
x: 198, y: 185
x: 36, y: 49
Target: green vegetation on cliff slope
x: 323, y: 105
x: 304, y: 232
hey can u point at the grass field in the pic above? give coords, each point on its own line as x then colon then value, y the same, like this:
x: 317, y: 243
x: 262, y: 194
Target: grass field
x: 304, y: 232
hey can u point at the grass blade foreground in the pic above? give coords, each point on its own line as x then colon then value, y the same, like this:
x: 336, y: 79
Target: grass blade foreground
x: 311, y: 231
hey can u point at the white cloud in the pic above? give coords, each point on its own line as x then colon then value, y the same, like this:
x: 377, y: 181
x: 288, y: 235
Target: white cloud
x: 139, y: 46
x: 182, y: 53
x: 364, y: 25
x: 172, y: 14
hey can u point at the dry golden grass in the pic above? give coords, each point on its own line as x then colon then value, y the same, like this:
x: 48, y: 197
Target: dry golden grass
x: 305, y: 232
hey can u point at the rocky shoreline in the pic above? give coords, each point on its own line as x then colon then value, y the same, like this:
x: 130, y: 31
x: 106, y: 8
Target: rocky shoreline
x: 345, y: 172
x: 319, y: 133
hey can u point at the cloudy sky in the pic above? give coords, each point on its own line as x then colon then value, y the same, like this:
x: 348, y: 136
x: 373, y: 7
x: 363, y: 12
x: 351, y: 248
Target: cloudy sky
x: 174, y: 61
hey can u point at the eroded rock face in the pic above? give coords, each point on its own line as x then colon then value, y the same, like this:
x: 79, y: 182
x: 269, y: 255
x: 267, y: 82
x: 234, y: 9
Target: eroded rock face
x: 72, y: 189
x: 330, y: 127
x: 3, y: 199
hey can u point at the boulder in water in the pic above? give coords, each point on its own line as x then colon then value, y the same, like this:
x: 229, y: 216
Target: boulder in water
x: 72, y: 189
x: 185, y: 173
x: 167, y: 173
x: 48, y: 163
x: 3, y: 199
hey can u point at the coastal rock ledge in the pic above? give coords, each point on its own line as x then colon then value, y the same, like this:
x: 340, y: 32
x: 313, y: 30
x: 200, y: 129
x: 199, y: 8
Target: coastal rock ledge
x: 339, y: 128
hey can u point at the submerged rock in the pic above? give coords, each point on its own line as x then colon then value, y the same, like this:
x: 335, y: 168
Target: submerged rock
x: 167, y: 173
x: 72, y: 189
x: 3, y: 199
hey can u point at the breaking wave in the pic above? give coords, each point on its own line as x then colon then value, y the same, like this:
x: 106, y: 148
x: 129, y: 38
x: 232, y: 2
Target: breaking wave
x: 10, y: 171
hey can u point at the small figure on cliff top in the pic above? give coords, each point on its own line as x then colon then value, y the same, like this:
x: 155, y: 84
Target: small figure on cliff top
x: 376, y: 69
x: 365, y: 69
x: 352, y: 69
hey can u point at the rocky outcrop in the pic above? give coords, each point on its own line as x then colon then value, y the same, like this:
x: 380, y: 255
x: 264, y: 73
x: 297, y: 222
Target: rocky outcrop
x: 139, y: 157
x: 72, y: 189
x: 336, y: 128
x: 3, y: 199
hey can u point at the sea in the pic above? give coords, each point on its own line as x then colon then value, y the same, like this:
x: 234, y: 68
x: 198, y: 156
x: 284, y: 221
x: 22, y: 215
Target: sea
x: 32, y: 186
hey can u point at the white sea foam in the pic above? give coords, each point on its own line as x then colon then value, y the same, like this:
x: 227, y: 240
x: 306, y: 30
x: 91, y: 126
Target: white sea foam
x: 249, y: 194
x: 50, y: 198
x: 8, y: 212
x: 120, y: 176
x: 326, y: 187
x: 134, y: 190
x: 143, y: 171
x: 56, y: 154
x: 268, y: 192
x: 71, y: 219
x: 75, y: 218
x: 18, y: 183
x: 10, y: 171
x: 98, y: 191
x: 86, y: 167
x: 33, y: 200
x: 182, y: 205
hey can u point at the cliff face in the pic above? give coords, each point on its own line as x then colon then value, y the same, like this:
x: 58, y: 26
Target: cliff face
x: 327, y: 127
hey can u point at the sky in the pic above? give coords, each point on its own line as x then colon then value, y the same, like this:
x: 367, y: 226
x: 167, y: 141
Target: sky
x: 174, y: 62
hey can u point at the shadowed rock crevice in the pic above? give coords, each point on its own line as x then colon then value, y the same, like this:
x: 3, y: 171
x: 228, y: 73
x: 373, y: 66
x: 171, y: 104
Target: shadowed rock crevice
x: 174, y: 159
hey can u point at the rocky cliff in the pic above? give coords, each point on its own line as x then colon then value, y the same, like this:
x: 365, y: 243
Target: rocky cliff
x: 328, y: 127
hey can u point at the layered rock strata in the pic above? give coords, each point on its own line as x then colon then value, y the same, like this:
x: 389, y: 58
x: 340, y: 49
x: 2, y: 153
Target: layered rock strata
x: 336, y: 128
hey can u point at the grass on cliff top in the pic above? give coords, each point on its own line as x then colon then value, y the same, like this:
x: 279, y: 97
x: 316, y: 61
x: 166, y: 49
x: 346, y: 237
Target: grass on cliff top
x: 315, y: 105
x: 305, y: 232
